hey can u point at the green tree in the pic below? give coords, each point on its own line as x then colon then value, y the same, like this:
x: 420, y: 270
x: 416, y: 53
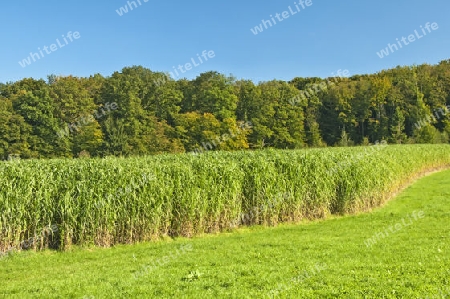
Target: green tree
x: 14, y: 132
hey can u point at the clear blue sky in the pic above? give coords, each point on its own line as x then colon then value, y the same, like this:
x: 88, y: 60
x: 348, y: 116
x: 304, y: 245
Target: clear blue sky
x: 320, y: 39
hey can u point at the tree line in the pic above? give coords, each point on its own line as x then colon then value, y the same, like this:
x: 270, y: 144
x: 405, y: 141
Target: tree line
x: 139, y: 112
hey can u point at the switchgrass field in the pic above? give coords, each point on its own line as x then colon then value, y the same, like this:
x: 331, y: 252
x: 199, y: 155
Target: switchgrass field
x: 112, y: 201
x: 318, y: 259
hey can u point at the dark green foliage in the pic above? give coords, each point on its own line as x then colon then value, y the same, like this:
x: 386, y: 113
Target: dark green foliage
x: 138, y: 112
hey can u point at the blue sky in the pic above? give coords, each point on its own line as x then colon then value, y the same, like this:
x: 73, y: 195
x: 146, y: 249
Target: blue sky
x: 320, y: 39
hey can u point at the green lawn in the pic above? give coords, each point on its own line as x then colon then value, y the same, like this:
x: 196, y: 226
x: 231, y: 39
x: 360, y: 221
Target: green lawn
x: 322, y: 259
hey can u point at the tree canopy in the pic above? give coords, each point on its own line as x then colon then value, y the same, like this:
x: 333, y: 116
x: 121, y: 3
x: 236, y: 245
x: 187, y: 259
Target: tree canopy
x: 139, y: 112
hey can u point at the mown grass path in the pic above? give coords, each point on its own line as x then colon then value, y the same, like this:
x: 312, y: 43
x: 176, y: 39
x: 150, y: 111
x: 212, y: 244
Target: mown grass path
x: 321, y: 259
